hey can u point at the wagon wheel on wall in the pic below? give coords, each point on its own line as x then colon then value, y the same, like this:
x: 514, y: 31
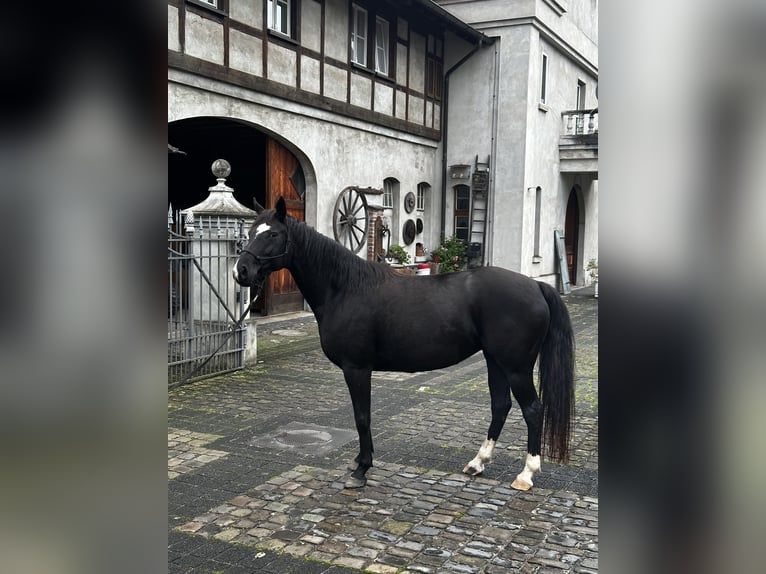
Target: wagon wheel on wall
x: 349, y: 219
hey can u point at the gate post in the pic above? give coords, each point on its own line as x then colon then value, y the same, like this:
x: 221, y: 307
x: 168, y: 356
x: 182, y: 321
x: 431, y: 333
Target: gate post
x: 221, y: 227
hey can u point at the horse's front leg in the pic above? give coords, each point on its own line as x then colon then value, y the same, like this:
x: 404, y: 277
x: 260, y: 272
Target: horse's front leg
x: 358, y: 381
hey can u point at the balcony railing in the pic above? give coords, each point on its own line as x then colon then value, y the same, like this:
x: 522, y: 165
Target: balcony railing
x: 579, y: 122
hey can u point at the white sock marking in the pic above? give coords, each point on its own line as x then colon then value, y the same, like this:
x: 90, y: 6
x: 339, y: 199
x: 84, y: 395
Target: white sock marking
x: 485, y: 455
x: 531, y: 466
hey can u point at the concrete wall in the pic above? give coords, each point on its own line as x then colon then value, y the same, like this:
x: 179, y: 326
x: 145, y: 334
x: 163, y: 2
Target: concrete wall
x: 525, y: 153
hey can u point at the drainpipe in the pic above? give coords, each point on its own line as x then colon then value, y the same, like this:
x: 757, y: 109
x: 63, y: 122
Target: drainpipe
x: 445, y: 122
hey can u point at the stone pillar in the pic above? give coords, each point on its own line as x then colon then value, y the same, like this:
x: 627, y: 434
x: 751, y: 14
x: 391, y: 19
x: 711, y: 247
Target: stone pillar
x: 217, y: 224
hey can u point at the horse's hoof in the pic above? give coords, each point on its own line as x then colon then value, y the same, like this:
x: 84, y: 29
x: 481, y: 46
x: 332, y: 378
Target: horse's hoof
x: 355, y: 482
x: 520, y: 484
x: 472, y: 470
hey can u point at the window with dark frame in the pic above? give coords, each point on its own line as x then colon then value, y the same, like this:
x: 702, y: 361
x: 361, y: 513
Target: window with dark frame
x: 388, y: 193
x: 280, y: 16
x: 420, y: 203
x: 544, y: 79
x: 370, y: 40
x: 462, y: 211
x: 538, y: 209
x: 434, y: 68
x: 381, y: 45
x: 359, y: 35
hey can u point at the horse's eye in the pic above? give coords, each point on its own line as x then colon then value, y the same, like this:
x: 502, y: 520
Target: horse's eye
x: 273, y: 234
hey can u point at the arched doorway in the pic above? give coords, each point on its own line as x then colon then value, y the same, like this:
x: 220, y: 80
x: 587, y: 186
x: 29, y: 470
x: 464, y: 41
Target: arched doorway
x: 262, y: 169
x: 572, y: 235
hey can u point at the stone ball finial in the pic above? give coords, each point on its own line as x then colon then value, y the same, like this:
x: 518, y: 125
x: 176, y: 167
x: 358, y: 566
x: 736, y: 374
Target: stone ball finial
x: 221, y: 168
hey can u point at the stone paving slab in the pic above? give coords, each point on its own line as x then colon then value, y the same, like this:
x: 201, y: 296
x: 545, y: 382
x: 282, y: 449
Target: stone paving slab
x: 408, y: 518
x: 240, y: 503
x: 186, y: 453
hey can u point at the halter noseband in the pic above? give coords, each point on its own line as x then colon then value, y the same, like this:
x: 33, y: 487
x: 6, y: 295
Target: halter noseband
x: 260, y: 258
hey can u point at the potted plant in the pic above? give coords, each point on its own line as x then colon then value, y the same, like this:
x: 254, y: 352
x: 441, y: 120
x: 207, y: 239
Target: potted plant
x: 451, y: 255
x: 398, y: 254
x: 593, y: 272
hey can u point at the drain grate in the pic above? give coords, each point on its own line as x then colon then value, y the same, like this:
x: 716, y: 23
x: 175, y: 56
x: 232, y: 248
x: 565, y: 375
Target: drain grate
x: 304, y: 437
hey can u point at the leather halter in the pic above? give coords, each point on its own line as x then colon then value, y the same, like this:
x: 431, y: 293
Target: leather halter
x: 260, y: 258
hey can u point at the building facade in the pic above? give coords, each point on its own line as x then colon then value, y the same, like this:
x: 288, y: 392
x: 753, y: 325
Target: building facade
x: 527, y: 107
x: 311, y: 99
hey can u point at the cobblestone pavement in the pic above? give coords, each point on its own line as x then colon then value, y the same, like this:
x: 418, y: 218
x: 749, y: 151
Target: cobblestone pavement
x: 257, y: 461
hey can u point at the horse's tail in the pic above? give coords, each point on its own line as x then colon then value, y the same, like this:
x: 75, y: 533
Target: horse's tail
x: 557, y: 377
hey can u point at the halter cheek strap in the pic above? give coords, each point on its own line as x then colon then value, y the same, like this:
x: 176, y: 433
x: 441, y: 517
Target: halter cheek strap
x: 260, y: 258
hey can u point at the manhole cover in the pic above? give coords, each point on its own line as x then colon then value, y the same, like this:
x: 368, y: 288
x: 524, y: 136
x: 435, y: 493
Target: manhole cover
x: 303, y: 437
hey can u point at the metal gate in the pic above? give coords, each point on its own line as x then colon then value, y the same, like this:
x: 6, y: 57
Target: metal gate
x: 204, y: 301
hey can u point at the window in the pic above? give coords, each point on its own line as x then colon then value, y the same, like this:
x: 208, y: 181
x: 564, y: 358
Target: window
x: 213, y: 3
x: 580, y: 118
x: 462, y: 207
x: 433, y: 78
x: 538, y: 206
x: 544, y: 79
x: 359, y: 35
x: 580, y: 95
x: 381, y: 45
x: 420, y: 204
x: 279, y: 16
x: 388, y: 194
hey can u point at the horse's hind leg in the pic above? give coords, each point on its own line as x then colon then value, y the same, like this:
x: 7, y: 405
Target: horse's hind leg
x: 523, y: 388
x: 358, y: 382
x: 499, y: 390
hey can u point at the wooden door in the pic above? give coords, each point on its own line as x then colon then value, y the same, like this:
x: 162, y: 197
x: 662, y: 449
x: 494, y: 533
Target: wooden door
x: 282, y: 174
x: 572, y: 235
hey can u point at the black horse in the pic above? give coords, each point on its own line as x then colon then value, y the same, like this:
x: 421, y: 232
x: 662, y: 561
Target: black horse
x: 371, y: 318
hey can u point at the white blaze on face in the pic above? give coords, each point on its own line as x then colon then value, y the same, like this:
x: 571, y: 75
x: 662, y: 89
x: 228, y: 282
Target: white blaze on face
x: 261, y: 228
x: 234, y: 271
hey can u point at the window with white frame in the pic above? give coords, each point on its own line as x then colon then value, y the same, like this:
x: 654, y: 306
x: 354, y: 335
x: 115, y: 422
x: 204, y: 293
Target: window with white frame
x: 213, y: 3
x: 279, y: 16
x: 420, y: 204
x: 359, y: 35
x: 388, y: 194
x: 544, y: 79
x: 381, y: 45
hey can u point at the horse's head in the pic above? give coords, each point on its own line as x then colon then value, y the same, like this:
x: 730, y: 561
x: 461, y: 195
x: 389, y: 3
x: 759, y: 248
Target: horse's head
x: 267, y: 249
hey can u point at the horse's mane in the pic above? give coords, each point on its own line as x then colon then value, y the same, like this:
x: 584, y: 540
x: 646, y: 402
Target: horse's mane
x: 345, y: 270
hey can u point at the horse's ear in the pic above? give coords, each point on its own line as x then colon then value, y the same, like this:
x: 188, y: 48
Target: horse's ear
x: 281, y: 209
x: 257, y: 206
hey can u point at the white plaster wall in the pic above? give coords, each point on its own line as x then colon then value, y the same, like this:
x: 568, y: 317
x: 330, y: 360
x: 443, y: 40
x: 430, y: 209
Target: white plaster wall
x: 384, y: 99
x: 248, y: 12
x: 173, y: 42
x: 335, y: 151
x: 361, y: 91
x: 511, y: 197
x: 282, y: 65
x: 335, y: 82
x: 311, y: 25
x: 401, y: 104
x: 245, y: 53
x: 310, y: 74
x: 204, y: 38
x: 336, y: 41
